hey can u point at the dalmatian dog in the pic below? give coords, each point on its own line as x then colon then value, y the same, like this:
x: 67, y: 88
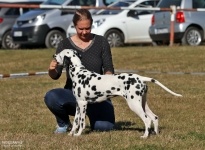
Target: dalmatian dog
x: 90, y: 87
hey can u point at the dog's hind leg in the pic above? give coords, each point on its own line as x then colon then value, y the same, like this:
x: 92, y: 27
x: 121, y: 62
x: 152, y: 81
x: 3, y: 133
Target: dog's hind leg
x: 135, y: 105
x: 152, y: 116
x: 83, y: 106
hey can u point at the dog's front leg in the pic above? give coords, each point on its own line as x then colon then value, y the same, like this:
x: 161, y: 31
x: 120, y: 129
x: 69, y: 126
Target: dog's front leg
x: 76, y: 121
x: 83, y: 106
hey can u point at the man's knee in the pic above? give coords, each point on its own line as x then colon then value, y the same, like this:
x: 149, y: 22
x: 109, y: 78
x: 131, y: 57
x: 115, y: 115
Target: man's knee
x: 48, y: 99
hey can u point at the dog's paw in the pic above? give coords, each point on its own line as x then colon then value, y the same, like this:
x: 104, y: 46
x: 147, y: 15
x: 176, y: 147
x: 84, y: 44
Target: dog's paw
x: 144, y: 137
x: 71, y: 134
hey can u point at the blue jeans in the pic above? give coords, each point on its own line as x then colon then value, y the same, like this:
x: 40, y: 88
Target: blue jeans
x: 62, y: 104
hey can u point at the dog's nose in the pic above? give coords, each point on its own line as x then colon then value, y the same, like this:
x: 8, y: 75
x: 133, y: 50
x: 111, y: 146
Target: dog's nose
x: 54, y: 56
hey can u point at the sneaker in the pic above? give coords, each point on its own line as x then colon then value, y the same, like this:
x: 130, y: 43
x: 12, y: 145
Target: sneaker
x: 63, y: 129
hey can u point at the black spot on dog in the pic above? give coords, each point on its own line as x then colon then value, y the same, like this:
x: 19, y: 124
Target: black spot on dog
x: 88, y: 93
x: 137, y: 93
x: 93, y: 75
x: 87, y: 80
x: 118, y: 89
x: 99, y: 78
x: 128, y: 87
x: 122, y: 77
x: 93, y: 88
x: 108, y: 91
x: 91, y: 99
x: 153, y: 80
x: 138, y: 86
x: 112, y: 88
x: 99, y: 94
x: 76, y: 121
x: 132, y: 81
x: 132, y: 96
x: 128, y: 82
x: 79, y: 91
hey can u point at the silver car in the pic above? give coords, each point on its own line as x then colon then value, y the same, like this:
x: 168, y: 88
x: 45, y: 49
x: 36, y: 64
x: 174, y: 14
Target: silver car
x: 8, y: 17
x: 189, y: 26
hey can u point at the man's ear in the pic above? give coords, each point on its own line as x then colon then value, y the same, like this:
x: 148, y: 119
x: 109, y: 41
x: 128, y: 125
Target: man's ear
x: 66, y: 61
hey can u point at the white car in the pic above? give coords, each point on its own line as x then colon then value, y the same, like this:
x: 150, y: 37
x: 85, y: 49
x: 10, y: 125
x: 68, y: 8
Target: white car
x: 121, y: 27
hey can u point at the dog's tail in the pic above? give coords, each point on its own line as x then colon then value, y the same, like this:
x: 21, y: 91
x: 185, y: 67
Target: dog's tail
x: 146, y: 79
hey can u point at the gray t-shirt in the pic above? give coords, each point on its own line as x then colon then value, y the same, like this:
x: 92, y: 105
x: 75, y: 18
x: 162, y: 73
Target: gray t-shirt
x: 96, y: 57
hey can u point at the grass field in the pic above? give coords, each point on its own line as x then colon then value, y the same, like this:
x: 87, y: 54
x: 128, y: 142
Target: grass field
x: 26, y: 123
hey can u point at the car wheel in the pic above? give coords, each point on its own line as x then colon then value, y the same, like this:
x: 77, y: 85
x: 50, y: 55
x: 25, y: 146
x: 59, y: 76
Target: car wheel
x: 114, y: 38
x: 192, y: 36
x: 53, y: 38
x: 7, y: 42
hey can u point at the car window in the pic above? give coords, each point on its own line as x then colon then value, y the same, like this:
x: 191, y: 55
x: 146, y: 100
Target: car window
x: 26, y: 10
x: 108, y: 2
x: 198, y: 3
x: 148, y: 3
x: 145, y: 4
x: 168, y: 3
x: 54, y: 2
x: 13, y: 11
x: 83, y: 2
x: 117, y: 4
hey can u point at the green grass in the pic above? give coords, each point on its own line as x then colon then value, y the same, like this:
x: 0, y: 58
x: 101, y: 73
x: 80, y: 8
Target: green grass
x: 24, y: 116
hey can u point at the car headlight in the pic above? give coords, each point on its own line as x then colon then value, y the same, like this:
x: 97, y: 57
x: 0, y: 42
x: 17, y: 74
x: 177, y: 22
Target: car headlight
x: 38, y: 18
x: 98, y: 23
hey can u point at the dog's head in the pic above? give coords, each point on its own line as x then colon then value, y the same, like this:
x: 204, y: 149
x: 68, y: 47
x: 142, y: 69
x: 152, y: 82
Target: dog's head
x: 65, y: 56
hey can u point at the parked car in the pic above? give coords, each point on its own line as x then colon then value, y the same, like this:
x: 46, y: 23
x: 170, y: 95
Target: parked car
x: 8, y: 17
x: 189, y: 26
x: 48, y: 26
x: 121, y: 27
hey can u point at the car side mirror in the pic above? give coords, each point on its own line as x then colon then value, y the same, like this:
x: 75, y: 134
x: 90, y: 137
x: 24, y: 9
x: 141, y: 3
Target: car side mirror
x: 132, y: 13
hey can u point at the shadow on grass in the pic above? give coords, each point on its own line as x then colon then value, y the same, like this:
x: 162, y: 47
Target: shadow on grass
x: 127, y: 126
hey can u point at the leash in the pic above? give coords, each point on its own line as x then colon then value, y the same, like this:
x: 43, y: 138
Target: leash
x: 18, y: 75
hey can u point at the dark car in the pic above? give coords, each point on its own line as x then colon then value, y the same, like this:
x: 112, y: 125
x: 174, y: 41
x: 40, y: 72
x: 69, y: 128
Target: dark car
x: 8, y: 17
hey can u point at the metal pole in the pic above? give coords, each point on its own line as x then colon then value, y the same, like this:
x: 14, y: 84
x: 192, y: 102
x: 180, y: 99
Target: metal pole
x: 173, y: 12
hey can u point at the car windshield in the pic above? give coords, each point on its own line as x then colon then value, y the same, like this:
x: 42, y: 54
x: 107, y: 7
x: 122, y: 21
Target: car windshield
x: 168, y: 3
x: 121, y: 3
x: 54, y: 2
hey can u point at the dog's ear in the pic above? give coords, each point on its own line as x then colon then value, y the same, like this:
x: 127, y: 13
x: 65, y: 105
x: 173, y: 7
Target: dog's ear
x: 76, y: 53
x: 66, y: 61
